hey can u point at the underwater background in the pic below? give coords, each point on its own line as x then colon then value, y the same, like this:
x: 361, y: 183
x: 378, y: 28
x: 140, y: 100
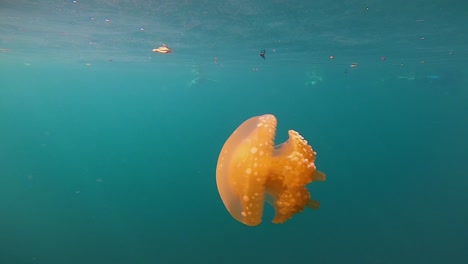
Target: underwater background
x: 108, y: 150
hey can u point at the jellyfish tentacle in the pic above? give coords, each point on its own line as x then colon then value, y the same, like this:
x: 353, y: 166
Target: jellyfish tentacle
x: 313, y: 204
x: 319, y: 176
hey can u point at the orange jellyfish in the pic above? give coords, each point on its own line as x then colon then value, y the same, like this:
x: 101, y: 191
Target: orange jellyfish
x: 164, y: 49
x: 252, y: 170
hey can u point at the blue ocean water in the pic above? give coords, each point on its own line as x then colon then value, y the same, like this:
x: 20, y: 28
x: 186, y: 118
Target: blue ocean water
x: 108, y: 150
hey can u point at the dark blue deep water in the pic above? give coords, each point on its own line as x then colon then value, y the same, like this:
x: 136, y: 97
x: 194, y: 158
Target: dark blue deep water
x: 108, y: 150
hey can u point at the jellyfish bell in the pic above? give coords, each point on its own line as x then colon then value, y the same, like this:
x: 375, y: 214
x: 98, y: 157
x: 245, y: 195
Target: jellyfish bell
x: 251, y: 170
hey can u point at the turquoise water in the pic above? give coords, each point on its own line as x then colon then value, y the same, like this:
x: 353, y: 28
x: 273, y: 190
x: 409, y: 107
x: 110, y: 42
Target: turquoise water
x: 108, y: 151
